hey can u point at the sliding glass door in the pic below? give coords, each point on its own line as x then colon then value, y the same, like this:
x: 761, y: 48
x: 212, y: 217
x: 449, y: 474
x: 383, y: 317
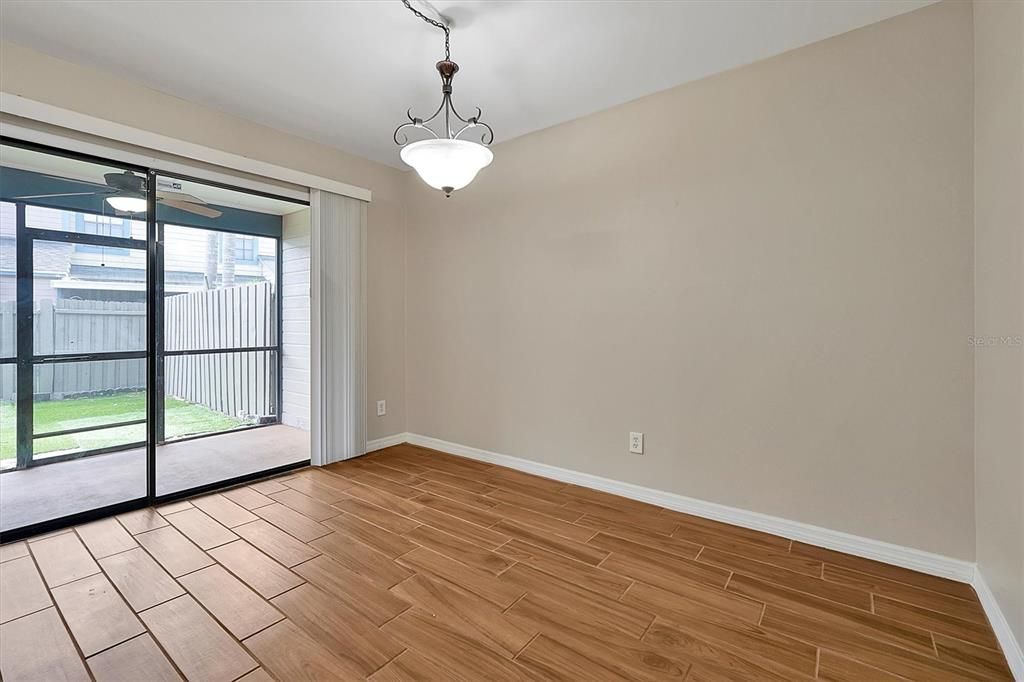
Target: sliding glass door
x: 140, y: 337
x: 219, y: 347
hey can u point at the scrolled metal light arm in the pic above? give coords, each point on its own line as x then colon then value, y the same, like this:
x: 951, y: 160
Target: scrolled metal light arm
x: 447, y: 69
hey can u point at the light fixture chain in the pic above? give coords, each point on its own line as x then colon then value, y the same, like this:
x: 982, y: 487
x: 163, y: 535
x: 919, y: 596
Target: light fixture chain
x: 445, y: 162
x: 432, y: 22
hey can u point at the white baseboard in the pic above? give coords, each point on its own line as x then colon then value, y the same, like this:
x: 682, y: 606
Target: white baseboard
x: 907, y: 557
x: 386, y: 441
x: 898, y: 555
x: 996, y: 618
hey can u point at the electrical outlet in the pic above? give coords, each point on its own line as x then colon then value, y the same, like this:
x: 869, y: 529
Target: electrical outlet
x: 382, y: 408
x: 636, y: 442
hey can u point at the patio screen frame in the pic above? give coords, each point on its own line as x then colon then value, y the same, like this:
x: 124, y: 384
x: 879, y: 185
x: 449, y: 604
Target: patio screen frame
x: 25, y: 359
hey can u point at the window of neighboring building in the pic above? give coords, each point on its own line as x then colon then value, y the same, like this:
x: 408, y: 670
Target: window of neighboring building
x: 246, y: 249
x: 89, y: 223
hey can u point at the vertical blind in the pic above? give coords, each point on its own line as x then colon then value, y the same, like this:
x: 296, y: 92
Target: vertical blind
x: 339, y: 326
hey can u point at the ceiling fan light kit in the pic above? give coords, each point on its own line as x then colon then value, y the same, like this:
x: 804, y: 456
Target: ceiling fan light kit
x: 445, y: 162
x: 125, y: 192
x: 127, y: 204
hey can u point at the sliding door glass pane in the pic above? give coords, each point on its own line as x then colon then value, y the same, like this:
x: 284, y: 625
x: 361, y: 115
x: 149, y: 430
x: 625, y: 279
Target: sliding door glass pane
x: 221, y: 335
x: 83, y: 420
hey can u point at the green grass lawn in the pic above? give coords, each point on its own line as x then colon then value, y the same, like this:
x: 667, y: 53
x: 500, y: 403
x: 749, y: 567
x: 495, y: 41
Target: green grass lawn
x: 180, y: 419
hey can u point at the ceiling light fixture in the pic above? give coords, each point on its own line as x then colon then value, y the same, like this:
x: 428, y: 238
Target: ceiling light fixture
x: 445, y: 162
x: 127, y: 204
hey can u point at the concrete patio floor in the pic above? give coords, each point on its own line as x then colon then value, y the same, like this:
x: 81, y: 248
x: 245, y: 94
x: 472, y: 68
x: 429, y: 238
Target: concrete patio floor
x: 55, y: 490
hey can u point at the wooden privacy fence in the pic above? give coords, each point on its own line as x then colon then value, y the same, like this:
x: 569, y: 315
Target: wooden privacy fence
x: 237, y: 384
x: 70, y: 326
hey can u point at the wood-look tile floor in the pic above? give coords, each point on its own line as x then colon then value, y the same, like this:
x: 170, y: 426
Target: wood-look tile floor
x: 409, y: 564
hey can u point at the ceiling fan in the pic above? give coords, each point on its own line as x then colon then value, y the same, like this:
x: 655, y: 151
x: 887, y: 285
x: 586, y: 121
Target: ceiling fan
x: 127, y: 194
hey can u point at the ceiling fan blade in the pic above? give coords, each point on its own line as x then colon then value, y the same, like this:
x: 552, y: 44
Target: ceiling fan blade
x: 48, y: 196
x: 204, y: 211
x: 80, y: 182
x: 180, y: 196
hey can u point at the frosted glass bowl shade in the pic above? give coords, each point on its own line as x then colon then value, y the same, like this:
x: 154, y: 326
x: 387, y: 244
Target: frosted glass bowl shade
x: 127, y: 204
x: 447, y: 165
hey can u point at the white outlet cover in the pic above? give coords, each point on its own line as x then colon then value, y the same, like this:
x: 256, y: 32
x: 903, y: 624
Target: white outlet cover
x: 382, y: 408
x: 636, y: 442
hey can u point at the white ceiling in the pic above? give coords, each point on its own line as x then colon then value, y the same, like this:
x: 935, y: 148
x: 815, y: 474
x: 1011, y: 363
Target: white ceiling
x: 344, y: 73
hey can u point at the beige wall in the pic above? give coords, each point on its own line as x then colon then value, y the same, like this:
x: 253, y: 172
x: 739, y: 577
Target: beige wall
x: 79, y: 88
x: 999, y: 301
x: 769, y: 272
